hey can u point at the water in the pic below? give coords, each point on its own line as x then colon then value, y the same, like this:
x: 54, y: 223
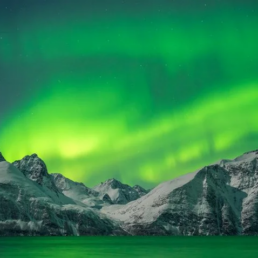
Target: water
x: 176, y: 247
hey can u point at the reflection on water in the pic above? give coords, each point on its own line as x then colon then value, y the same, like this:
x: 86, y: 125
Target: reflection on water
x: 129, y: 247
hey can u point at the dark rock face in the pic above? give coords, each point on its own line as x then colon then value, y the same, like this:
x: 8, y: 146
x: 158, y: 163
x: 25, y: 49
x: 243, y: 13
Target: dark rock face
x: 33, y: 168
x: 1, y: 157
x: 107, y: 199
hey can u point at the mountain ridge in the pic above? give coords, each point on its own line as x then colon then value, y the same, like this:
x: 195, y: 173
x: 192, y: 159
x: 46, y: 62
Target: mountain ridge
x: 218, y: 199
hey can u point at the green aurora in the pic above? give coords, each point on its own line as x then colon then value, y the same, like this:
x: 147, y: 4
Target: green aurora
x: 142, y: 93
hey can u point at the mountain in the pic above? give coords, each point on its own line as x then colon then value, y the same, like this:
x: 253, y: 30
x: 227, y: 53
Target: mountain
x: 35, y: 169
x: 32, y: 205
x: 79, y: 192
x: 119, y: 193
x: 219, y: 199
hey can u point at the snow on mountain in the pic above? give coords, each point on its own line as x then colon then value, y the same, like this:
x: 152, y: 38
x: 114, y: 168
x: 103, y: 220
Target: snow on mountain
x: 34, y: 206
x: 220, y: 199
x: 140, y: 190
x: 78, y: 191
x: 146, y: 208
x: 119, y: 193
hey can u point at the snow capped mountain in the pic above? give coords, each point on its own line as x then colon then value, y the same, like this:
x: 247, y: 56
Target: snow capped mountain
x: 119, y: 193
x: 220, y: 199
x: 35, y: 169
x: 32, y: 206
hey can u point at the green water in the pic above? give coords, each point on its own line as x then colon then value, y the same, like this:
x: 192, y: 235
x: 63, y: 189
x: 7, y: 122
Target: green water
x: 175, y: 247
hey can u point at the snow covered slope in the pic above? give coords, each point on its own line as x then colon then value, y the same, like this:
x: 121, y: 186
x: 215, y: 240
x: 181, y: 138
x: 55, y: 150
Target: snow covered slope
x: 220, y: 199
x: 119, y: 193
x: 34, y: 206
x: 79, y: 192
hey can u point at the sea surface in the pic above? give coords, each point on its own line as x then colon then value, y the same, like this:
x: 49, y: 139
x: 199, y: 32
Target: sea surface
x: 175, y: 247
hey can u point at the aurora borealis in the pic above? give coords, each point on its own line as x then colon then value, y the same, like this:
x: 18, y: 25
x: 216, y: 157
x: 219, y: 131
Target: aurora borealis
x: 142, y: 91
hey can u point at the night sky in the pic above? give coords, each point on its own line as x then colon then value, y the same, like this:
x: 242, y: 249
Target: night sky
x: 142, y: 91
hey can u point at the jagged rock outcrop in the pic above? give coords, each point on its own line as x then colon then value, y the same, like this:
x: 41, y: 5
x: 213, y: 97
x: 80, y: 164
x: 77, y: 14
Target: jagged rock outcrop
x: 107, y: 199
x: 35, y: 169
x: 119, y: 193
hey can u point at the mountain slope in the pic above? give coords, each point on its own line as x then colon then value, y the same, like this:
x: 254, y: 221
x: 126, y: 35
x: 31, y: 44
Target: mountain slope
x: 78, y: 191
x: 220, y: 199
x: 29, y: 207
x: 243, y: 172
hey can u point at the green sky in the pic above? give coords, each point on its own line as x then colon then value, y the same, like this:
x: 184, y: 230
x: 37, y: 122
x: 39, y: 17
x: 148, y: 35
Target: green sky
x: 140, y: 92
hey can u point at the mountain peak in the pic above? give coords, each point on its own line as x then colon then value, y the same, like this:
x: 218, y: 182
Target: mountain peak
x: 111, y: 180
x: 118, y: 192
x: 34, y: 168
x: 2, y: 157
x: 113, y: 183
